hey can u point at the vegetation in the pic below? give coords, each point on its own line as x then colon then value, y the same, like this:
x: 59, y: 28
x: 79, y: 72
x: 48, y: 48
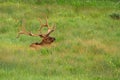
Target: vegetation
x: 87, y: 45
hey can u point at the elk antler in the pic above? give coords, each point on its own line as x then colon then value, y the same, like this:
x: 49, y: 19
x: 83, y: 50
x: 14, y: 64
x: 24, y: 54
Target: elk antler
x: 23, y: 31
x: 50, y: 30
x: 46, y: 39
x: 43, y: 25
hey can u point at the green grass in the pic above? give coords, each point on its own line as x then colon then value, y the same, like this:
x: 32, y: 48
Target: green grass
x: 87, y: 45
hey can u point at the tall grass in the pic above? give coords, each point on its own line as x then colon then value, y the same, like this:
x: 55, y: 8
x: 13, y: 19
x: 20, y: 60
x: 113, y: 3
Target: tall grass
x: 77, y: 3
x: 86, y: 47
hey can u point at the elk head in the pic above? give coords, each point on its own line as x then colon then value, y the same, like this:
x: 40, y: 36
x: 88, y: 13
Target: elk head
x: 46, y: 38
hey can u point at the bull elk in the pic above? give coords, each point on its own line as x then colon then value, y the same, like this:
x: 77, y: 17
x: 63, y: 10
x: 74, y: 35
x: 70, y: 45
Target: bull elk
x: 46, y: 38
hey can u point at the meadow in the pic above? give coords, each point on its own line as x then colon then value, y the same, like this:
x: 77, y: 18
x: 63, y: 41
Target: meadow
x: 87, y: 45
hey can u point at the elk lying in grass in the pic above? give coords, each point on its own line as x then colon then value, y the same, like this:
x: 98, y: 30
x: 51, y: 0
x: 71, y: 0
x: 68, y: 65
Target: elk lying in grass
x: 46, y: 39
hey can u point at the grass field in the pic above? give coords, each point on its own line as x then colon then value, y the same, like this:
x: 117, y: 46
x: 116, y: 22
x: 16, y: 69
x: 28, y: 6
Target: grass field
x: 87, y: 45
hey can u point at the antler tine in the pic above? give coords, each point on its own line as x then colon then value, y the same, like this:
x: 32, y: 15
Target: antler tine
x: 40, y: 24
x: 43, y: 25
x: 22, y: 30
x: 39, y: 20
x: 54, y: 26
x: 23, y: 25
x: 47, y: 21
x: 51, y: 30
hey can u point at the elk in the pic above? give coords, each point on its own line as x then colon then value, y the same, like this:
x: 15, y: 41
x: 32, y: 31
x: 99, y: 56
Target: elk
x: 46, y: 38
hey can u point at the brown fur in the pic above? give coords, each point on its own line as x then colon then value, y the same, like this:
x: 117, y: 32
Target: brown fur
x: 47, y: 40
